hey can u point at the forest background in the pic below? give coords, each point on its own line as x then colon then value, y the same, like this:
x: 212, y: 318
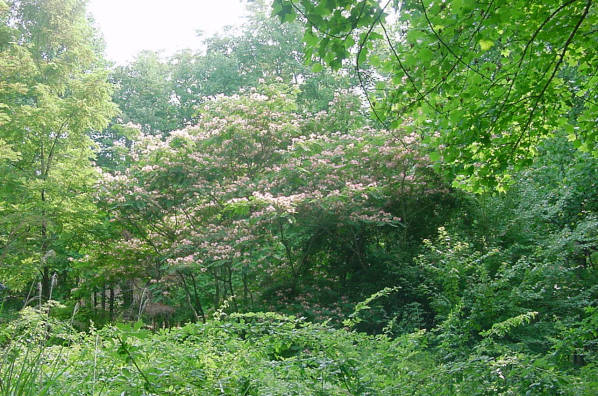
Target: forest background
x: 409, y: 189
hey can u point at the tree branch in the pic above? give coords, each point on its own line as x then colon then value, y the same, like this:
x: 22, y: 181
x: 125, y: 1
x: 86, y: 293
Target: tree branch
x: 556, y: 69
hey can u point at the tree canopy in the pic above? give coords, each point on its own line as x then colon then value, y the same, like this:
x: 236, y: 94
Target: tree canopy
x: 53, y: 91
x: 485, y: 82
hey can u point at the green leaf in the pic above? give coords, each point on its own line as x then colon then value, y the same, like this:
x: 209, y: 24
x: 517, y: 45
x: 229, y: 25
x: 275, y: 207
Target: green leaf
x: 310, y: 39
x: 435, y: 156
x: 485, y: 45
x: 349, y: 42
x: 363, y: 55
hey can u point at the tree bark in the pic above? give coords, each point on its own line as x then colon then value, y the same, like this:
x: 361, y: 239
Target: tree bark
x: 198, y: 300
x: 216, y: 289
x: 188, y: 294
x: 46, y: 281
x: 229, y: 280
x: 111, y: 303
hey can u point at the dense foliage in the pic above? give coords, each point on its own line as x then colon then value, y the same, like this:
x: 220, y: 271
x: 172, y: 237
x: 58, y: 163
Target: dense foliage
x: 486, y: 82
x: 53, y: 91
x: 256, y: 354
x: 236, y: 220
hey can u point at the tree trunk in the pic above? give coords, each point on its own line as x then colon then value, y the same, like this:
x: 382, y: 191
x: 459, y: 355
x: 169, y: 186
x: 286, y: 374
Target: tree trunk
x: 127, y: 293
x: 46, y: 280
x: 216, y: 289
x: 111, y: 303
x: 198, y: 300
x: 230, y: 286
x: 246, y: 293
x: 46, y: 283
x: 188, y: 294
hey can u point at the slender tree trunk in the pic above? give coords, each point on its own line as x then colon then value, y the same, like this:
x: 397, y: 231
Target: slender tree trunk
x: 288, y: 252
x: 230, y: 286
x: 198, y: 300
x: 127, y: 293
x: 246, y: 293
x: 216, y: 289
x: 223, y: 275
x: 188, y: 294
x: 111, y: 303
x: 46, y: 280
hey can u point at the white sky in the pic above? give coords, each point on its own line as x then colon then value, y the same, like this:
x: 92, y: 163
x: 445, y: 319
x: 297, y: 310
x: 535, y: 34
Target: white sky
x: 130, y: 26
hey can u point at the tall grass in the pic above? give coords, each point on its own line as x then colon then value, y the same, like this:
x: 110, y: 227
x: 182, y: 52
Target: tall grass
x: 25, y: 370
x: 28, y: 365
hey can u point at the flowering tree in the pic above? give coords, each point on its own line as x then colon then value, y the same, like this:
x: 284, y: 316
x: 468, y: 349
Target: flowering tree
x: 256, y: 192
